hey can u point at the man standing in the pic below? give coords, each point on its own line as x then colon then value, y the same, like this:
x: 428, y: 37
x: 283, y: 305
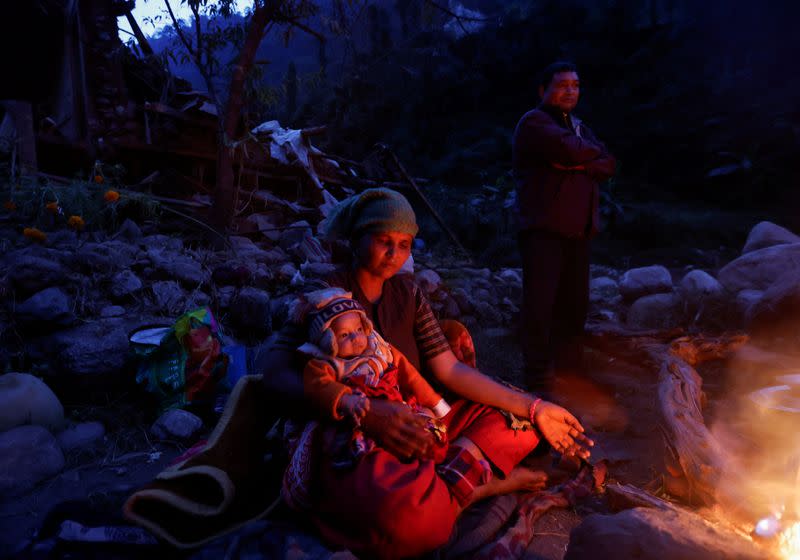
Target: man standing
x: 558, y: 165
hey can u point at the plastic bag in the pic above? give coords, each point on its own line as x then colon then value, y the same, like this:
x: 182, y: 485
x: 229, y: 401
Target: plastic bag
x: 187, y: 364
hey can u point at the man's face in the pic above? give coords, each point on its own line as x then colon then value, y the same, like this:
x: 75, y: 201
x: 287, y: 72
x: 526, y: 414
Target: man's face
x: 562, y: 91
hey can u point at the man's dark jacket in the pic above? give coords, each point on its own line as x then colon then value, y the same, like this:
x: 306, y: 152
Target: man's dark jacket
x: 564, y: 202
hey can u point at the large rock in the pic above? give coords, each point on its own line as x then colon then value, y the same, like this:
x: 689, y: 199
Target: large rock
x: 656, y: 311
x: 129, y: 231
x: 124, y: 284
x: 25, y: 399
x: 30, y: 274
x: 644, y: 281
x: 250, y: 311
x: 429, y: 281
x: 746, y: 299
x: 28, y: 455
x: 173, y: 266
x: 48, y: 309
x: 294, y: 234
x: 651, y: 534
x: 176, y: 424
x: 267, y: 224
x: 169, y: 297
x: 777, y: 312
x: 699, y: 286
x: 81, y: 435
x: 758, y: 270
x: 767, y: 234
x: 97, y: 348
x: 104, y: 257
x: 603, y: 289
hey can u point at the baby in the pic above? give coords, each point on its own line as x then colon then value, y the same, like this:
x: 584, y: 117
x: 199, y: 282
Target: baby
x: 352, y: 364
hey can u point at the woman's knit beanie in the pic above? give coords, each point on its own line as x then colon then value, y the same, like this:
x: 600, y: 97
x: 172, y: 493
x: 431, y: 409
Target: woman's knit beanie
x: 373, y: 210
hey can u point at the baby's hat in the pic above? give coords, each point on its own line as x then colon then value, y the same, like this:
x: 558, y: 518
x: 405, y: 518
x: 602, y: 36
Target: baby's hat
x: 321, y: 307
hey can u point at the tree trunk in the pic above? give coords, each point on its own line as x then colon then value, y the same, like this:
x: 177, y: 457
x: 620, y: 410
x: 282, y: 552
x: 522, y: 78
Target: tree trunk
x: 225, y: 193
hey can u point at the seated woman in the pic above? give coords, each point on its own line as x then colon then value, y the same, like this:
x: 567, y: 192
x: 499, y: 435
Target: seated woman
x: 397, y: 502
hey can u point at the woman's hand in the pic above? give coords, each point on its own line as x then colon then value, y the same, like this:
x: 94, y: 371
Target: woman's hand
x: 562, y: 430
x: 398, y: 429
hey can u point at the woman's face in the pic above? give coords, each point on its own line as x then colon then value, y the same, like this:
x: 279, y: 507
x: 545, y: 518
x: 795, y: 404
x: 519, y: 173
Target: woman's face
x: 383, y: 253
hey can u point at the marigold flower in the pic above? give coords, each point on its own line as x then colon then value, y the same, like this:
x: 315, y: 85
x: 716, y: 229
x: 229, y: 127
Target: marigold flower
x: 53, y: 207
x: 76, y: 223
x: 111, y: 196
x: 34, y: 234
x: 10, y: 205
x: 99, y: 179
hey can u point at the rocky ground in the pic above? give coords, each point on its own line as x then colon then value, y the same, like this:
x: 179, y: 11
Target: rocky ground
x: 71, y: 302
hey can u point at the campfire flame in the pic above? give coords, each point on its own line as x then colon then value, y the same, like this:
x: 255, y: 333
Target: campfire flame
x: 763, y: 473
x: 790, y: 542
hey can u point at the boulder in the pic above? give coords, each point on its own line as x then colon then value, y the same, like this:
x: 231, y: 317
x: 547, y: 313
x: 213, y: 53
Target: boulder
x: 767, y: 234
x: 746, y: 299
x: 96, y: 348
x: 463, y: 300
x: 488, y: 313
x: 104, y: 257
x: 129, y: 231
x: 656, y: 311
x: 318, y: 269
x: 29, y: 274
x: 176, y: 424
x: 429, y: 281
x: 266, y: 224
x: 28, y: 455
x: 287, y: 271
x: 25, y: 399
x: 645, y: 281
x: 124, y: 284
x: 80, y: 436
x: 757, y: 270
x: 603, y: 289
x: 243, y: 244
x: 112, y: 311
x: 699, y: 286
x: 48, y: 309
x: 162, y: 242
x: 169, y: 297
x: 511, y: 275
x: 184, y: 269
x: 250, y: 311
x: 655, y: 534
x: 777, y: 311
x: 294, y: 234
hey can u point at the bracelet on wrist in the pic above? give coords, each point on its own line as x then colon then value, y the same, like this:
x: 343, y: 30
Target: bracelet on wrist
x: 532, y: 410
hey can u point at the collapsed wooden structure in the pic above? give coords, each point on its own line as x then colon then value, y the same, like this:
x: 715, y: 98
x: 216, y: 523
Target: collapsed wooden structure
x: 107, y: 103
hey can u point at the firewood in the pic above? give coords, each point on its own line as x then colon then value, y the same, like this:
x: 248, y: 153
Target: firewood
x: 627, y: 496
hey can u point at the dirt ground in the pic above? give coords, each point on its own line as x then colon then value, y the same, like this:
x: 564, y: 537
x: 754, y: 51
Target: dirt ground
x: 615, y: 402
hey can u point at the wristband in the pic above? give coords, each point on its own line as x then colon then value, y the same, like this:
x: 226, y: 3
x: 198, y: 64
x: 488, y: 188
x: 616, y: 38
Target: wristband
x: 532, y: 411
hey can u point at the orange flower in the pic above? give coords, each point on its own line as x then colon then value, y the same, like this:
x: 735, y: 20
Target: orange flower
x: 53, y: 207
x: 98, y: 179
x: 76, y: 223
x: 34, y: 234
x: 111, y: 196
x: 10, y: 205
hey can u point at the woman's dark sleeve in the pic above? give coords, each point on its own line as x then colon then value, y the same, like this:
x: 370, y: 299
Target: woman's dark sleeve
x: 427, y: 331
x: 281, y: 367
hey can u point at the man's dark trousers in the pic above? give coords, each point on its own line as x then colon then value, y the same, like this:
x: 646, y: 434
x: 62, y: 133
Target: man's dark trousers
x: 555, y: 302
